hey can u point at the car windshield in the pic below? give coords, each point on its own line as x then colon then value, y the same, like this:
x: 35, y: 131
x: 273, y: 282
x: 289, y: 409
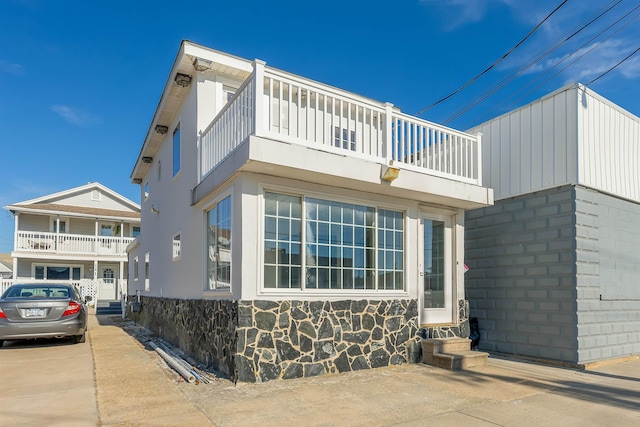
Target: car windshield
x: 37, y: 291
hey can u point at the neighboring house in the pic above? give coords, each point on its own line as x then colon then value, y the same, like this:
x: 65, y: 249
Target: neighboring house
x: 6, y: 265
x: 78, y: 235
x: 555, y: 263
x: 292, y: 228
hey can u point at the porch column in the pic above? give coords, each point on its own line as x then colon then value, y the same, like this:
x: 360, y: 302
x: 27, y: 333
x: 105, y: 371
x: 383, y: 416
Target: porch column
x: 16, y: 244
x: 55, y: 247
x: 14, y: 274
x: 258, y: 112
x: 95, y: 269
x: 95, y: 242
x: 121, y: 239
x: 121, y: 280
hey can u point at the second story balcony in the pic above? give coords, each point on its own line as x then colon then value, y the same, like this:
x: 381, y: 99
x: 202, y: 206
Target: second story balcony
x: 71, y: 244
x: 284, y: 107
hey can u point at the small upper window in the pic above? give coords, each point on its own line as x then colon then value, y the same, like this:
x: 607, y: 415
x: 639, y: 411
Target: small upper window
x: 135, y: 268
x: 135, y: 232
x: 62, y: 229
x: 176, y: 246
x: 176, y: 150
x: 146, y: 190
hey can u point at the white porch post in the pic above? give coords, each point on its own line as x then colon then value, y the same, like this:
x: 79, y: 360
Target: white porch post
x: 121, y: 237
x: 95, y: 241
x: 388, y: 132
x: 16, y: 244
x: 258, y: 103
x: 121, y: 278
x: 57, y: 233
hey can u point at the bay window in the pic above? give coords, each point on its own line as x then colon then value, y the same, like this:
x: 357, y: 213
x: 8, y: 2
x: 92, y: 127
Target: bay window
x: 346, y: 245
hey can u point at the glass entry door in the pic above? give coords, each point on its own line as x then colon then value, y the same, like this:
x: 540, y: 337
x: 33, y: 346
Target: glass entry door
x: 436, y: 269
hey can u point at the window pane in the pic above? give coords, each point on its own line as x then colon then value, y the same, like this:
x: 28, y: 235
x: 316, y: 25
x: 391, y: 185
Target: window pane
x: 58, y: 273
x: 176, y: 150
x: 390, y: 249
x: 219, y: 245
x: 39, y: 272
x: 433, y: 264
x: 283, y: 237
x: 76, y: 273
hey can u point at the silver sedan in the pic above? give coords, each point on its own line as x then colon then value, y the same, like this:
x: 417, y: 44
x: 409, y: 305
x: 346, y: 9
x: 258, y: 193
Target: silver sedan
x: 38, y: 310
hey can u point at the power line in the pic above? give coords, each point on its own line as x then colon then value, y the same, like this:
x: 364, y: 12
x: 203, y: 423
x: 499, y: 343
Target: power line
x: 614, y: 67
x: 496, y: 62
x: 477, y: 100
x: 510, y: 99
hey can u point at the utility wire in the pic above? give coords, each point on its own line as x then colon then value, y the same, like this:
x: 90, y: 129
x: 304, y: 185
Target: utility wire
x: 502, y: 105
x: 614, y: 67
x: 496, y: 62
x: 541, y: 56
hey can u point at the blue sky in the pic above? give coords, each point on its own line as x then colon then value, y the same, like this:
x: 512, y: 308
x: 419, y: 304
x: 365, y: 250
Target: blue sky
x: 79, y: 80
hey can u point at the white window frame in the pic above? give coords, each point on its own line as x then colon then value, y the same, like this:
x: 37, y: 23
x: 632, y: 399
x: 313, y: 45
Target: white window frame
x: 147, y: 272
x: 176, y: 165
x: 45, y: 265
x: 63, y: 220
x: 96, y: 195
x: 136, y: 266
x: 305, y: 194
x: 175, y: 247
x: 214, y: 203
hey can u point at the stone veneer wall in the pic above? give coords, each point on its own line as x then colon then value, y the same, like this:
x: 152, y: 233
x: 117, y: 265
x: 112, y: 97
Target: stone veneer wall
x: 205, y: 329
x: 462, y: 329
x: 293, y: 339
x: 256, y: 341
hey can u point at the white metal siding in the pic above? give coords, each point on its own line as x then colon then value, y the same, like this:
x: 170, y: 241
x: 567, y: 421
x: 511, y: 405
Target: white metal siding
x: 84, y: 200
x: 572, y: 136
x: 609, y: 147
x: 531, y: 148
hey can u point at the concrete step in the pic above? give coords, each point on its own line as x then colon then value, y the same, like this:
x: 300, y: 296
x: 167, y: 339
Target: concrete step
x: 460, y: 360
x: 431, y: 346
x: 108, y: 307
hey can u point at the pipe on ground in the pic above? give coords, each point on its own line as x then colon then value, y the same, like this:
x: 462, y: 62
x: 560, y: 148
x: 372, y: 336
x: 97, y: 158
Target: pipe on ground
x: 173, y: 363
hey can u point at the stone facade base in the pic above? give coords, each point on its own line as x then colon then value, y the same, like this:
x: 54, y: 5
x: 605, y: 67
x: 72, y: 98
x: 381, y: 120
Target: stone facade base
x: 461, y: 330
x: 256, y: 341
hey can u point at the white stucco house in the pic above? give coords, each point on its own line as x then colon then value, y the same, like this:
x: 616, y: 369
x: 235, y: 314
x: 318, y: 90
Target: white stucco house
x: 291, y: 228
x: 555, y: 263
x: 78, y: 235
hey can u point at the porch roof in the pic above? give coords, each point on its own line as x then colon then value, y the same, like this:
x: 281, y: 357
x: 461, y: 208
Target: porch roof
x: 53, y: 208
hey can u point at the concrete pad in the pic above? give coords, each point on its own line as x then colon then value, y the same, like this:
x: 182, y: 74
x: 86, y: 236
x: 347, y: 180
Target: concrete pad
x: 47, y: 382
x: 132, y: 388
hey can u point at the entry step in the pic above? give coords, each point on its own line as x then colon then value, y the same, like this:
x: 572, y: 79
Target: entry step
x: 451, y: 353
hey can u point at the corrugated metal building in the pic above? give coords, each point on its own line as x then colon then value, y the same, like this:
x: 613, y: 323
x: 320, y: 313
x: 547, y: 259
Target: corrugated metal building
x: 555, y: 263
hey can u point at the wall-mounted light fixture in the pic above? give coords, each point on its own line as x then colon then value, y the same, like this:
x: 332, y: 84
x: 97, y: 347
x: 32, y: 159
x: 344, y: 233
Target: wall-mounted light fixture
x: 137, y: 180
x: 162, y: 130
x: 147, y: 159
x: 389, y: 173
x: 183, y: 80
x: 155, y: 209
x: 202, y: 64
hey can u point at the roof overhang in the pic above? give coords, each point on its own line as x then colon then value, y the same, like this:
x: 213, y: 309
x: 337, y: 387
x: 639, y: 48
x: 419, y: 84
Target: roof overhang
x: 173, y: 94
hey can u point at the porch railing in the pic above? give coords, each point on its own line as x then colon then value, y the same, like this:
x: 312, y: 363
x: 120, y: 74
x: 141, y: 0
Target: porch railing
x: 282, y: 106
x: 71, y: 244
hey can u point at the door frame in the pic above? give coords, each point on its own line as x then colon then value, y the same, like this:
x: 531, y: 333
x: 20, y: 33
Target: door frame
x: 447, y: 314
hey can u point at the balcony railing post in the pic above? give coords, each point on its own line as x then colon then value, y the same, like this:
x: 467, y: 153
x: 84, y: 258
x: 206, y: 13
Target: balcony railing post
x: 388, y: 132
x: 479, y: 157
x: 258, y: 104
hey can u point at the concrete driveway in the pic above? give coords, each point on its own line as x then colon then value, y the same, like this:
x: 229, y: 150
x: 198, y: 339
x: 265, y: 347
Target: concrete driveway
x: 113, y: 380
x: 47, y: 382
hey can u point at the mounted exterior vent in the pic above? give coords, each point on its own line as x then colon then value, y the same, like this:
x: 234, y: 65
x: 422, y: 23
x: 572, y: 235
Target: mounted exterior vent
x: 147, y: 159
x: 183, y: 80
x: 162, y: 130
x: 137, y: 180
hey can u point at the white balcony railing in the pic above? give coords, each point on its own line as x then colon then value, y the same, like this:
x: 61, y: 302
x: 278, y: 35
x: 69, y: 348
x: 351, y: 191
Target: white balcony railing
x: 299, y: 111
x: 71, y: 244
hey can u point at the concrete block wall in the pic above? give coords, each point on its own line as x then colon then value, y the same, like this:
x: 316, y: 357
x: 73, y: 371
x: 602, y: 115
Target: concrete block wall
x: 608, y: 276
x: 522, y: 279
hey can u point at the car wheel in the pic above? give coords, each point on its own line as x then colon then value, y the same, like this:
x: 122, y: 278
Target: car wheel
x: 1, y: 343
x: 80, y: 338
